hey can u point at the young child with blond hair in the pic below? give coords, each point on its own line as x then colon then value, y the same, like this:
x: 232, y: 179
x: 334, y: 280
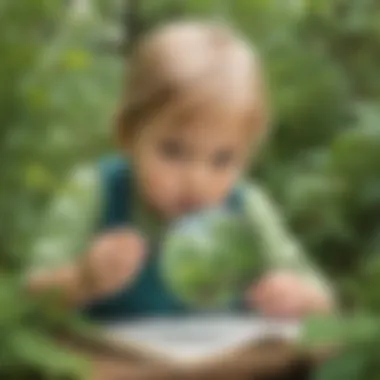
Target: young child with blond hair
x: 193, y: 112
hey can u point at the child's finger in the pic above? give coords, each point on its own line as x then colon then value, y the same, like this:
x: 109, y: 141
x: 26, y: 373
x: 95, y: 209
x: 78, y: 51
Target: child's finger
x: 282, y: 307
x: 272, y: 289
x: 260, y: 294
x: 278, y: 300
x: 271, y: 283
x: 261, y: 290
x: 290, y: 308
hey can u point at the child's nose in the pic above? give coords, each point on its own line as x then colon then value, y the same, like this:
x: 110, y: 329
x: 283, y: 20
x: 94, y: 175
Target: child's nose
x: 197, y: 178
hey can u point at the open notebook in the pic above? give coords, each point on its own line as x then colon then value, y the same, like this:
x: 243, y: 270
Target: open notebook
x: 193, y: 338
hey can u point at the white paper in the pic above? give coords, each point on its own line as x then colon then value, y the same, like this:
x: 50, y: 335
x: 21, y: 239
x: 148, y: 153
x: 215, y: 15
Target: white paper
x: 192, y: 338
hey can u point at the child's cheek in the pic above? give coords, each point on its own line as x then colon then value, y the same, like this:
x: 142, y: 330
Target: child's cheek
x: 161, y: 185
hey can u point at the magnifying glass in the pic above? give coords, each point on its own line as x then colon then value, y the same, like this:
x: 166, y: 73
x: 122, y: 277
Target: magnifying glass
x: 208, y: 259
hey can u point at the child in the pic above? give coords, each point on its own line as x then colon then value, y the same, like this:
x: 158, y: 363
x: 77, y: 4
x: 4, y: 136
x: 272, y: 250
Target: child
x: 194, y: 112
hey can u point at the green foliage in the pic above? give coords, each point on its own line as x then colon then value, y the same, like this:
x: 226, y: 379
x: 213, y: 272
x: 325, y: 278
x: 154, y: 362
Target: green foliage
x: 352, y: 329
x: 357, y: 339
x: 59, y: 90
x: 53, y: 88
x: 57, y: 96
x: 26, y: 328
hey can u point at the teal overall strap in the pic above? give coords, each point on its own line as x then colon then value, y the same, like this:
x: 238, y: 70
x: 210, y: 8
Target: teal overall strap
x: 117, y: 197
x: 235, y: 204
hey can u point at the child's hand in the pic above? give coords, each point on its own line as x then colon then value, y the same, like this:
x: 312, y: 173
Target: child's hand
x: 112, y: 263
x: 286, y: 295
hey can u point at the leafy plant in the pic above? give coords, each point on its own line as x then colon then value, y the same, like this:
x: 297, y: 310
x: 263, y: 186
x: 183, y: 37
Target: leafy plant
x: 356, y: 339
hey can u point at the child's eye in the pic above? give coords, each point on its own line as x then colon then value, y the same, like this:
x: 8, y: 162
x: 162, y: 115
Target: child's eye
x: 172, y: 150
x: 223, y: 159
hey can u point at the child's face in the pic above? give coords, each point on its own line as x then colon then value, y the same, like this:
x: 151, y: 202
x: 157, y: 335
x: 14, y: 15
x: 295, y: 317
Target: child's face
x: 187, y: 168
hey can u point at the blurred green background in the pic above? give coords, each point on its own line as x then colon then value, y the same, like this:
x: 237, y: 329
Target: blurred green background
x: 60, y: 69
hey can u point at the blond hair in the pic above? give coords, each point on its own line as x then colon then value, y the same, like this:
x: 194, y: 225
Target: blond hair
x: 189, y: 69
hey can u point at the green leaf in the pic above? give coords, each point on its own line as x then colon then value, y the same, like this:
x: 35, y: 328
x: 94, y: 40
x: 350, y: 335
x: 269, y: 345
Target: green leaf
x: 35, y: 349
x: 339, y: 330
x: 348, y: 366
